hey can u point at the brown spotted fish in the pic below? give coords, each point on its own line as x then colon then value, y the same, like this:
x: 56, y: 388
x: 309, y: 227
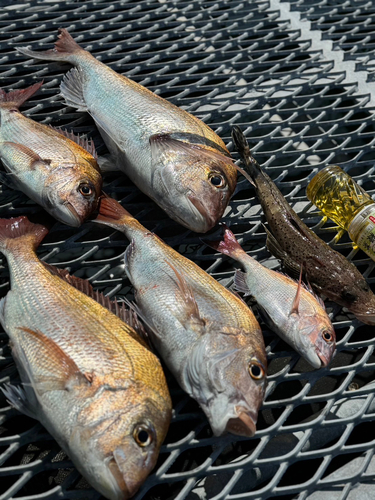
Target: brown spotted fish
x: 88, y: 378
x: 53, y: 167
x: 207, y: 336
x: 172, y: 156
x: 290, y: 240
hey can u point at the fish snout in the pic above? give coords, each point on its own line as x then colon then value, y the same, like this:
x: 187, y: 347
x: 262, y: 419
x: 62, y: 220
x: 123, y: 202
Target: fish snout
x: 244, y: 424
x: 206, y: 219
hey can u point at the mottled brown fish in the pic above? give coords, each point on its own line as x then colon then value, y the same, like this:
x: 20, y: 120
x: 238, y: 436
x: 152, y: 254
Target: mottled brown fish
x: 55, y: 168
x: 207, y: 336
x: 172, y: 156
x: 87, y: 376
x: 290, y: 240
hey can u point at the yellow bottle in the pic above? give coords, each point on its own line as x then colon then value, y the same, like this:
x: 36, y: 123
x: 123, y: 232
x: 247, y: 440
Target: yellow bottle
x: 341, y: 199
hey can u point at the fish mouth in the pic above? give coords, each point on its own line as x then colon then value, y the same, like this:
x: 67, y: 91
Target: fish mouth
x: 367, y: 319
x: 242, y: 425
x: 125, y: 487
x: 208, y: 221
x: 68, y: 215
x: 316, y: 359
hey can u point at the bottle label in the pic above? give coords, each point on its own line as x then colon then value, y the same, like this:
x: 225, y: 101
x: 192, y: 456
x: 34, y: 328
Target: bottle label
x: 362, y: 230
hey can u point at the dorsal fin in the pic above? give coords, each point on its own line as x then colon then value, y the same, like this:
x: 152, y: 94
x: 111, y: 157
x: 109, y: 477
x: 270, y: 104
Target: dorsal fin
x: 82, y: 141
x: 295, y: 305
x: 126, y: 314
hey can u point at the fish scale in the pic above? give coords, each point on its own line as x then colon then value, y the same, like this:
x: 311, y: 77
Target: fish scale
x: 89, y: 379
x: 168, y: 153
x: 207, y: 336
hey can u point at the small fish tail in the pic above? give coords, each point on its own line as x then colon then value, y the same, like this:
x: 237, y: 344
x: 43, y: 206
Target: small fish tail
x: 17, y: 97
x: 65, y: 48
x: 228, y: 245
x: 20, y: 232
x: 252, y: 168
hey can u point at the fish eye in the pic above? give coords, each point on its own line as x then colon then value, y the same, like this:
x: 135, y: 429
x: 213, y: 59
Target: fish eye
x: 327, y: 336
x: 85, y: 189
x: 348, y: 296
x: 256, y: 371
x: 142, y: 436
x: 217, y: 181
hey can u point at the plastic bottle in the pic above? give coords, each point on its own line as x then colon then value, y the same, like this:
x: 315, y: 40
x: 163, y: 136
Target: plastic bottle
x: 341, y: 199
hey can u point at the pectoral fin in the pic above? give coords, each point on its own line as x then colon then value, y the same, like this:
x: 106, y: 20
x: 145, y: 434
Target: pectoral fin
x: 20, y: 158
x: 186, y: 306
x: 292, y: 267
x: 54, y: 370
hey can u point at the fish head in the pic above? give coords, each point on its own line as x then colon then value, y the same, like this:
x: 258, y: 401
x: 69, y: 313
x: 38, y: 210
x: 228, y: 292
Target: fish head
x: 118, y: 449
x: 312, y: 334
x: 226, y: 374
x: 358, y: 298
x: 193, y: 184
x: 71, y: 198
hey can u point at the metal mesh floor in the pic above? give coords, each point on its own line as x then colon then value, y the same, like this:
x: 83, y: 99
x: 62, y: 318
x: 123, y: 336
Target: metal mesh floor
x: 228, y: 62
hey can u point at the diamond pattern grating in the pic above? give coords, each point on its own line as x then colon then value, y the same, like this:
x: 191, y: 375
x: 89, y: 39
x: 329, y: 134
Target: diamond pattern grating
x: 228, y: 62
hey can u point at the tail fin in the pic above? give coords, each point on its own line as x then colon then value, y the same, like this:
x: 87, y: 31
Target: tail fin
x: 228, y: 245
x: 65, y: 48
x: 20, y: 232
x: 252, y: 167
x: 18, y: 97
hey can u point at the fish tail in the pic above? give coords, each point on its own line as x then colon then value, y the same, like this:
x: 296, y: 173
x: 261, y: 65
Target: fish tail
x: 65, y: 49
x: 252, y: 167
x: 20, y: 232
x: 112, y: 214
x: 17, y: 97
x: 228, y: 245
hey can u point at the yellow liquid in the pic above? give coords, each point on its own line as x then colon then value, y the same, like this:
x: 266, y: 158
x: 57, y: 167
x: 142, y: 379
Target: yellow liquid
x: 337, y: 195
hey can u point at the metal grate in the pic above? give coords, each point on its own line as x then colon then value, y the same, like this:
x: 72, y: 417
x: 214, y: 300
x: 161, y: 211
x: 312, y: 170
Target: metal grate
x: 228, y: 62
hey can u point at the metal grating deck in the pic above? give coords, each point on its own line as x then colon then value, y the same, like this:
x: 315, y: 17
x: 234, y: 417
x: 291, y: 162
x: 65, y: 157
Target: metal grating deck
x: 256, y: 64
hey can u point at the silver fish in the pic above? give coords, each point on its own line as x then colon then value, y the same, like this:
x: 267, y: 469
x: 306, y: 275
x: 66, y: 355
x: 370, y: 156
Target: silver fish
x: 293, y: 312
x: 88, y: 378
x: 207, y: 336
x: 53, y: 167
x: 172, y: 156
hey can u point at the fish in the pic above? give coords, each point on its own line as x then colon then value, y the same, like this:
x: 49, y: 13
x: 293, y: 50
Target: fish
x: 328, y: 272
x: 208, y: 337
x: 87, y: 376
x: 54, y: 167
x: 171, y: 155
x: 290, y: 310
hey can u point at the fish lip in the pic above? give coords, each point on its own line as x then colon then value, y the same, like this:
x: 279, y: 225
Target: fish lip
x: 316, y: 359
x: 244, y: 424
x: 76, y: 218
x: 208, y: 219
x: 368, y: 320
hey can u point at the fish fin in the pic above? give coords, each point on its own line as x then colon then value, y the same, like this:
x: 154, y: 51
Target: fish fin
x: 60, y: 373
x: 127, y: 315
x: 292, y: 267
x: 112, y: 213
x: 252, y: 167
x: 64, y: 48
x: 228, y: 245
x: 17, y: 97
x: 82, y: 141
x: 107, y: 164
x: 20, y: 232
x: 240, y: 282
x: 16, y: 397
x: 161, y: 144
x: 297, y: 298
x: 21, y: 157
x: 190, y: 310
x: 71, y: 88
